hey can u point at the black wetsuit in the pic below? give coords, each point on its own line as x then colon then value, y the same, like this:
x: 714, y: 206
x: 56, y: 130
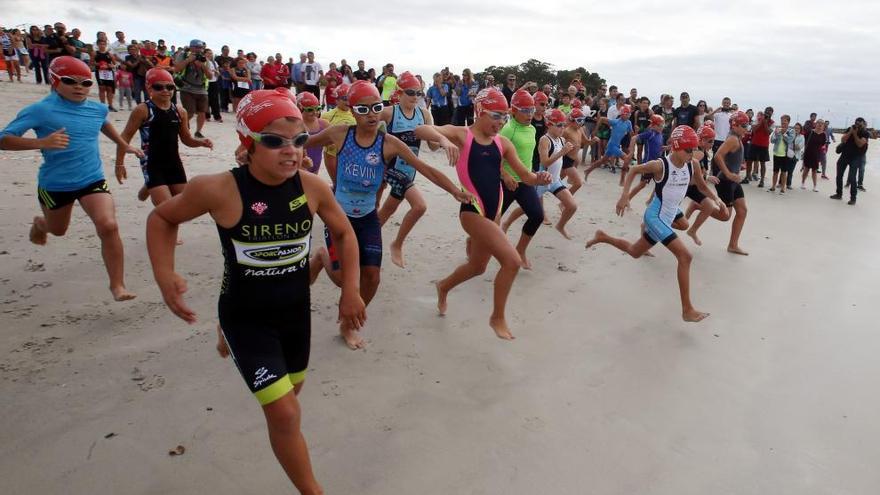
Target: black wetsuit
x: 540, y: 129
x: 161, y: 163
x: 264, y: 302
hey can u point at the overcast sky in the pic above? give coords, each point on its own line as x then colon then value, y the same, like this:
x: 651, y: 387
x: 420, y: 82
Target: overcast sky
x: 796, y: 56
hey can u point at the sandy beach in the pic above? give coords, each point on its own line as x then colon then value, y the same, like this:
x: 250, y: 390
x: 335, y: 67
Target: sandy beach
x: 604, y: 391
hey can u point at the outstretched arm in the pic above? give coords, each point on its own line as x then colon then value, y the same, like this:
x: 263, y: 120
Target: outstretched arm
x: 135, y: 120
x: 525, y: 175
x: 432, y: 174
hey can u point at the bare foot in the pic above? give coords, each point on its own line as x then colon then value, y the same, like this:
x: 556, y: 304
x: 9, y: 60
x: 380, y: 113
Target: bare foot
x: 561, y: 229
x: 143, y: 194
x: 501, y: 328
x: 598, y: 237
x: 396, y: 254
x: 351, y: 338
x: 693, y: 234
x: 179, y: 241
x: 505, y: 226
x: 648, y: 254
x: 441, y: 300
x: 222, y: 348
x: 39, y: 232
x: 546, y: 221
x: 693, y: 315
x: 736, y: 250
x: 122, y: 294
x: 524, y: 262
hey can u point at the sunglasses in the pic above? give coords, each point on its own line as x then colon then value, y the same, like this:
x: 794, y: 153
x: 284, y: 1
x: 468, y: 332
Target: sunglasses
x: 579, y: 120
x: 365, y: 109
x: 498, y: 116
x: 689, y: 150
x: 274, y: 142
x: 69, y: 81
x: 160, y: 87
x: 525, y: 111
x: 412, y: 92
x: 312, y: 109
x: 559, y: 125
x: 744, y: 126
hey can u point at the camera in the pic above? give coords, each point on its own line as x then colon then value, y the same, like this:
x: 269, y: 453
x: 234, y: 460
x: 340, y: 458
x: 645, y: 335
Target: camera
x: 201, y: 58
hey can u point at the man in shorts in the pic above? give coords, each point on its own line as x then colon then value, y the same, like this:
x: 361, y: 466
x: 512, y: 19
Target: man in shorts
x: 192, y: 68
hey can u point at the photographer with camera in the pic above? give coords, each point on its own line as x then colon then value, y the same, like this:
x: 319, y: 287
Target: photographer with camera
x: 192, y: 74
x: 852, y: 148
x: 138, y: 65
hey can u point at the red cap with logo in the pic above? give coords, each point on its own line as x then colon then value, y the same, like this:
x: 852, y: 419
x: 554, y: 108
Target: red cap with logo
x: 740, y: 118
x: 540, y: 97
x: 156, y: 75
x: 522, y: 99
x: 626, y: 110
x: 259, y: 108
x: 342, y: 90
x: 555, y: 116
x: 408, y: 81
x: 576, y: 113
x: 684, y: 137
x: 307, y: 99
x: 577, y: 103
x: 490, y: 100
x: 706, y: 132
x: 361, y: 90
x: 657, y: 120
x: 67, y: 66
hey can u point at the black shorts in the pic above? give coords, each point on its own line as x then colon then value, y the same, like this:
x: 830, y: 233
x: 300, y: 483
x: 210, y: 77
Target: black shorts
x: 270, y: 348
x: 567, y: 162
x: 400, y: 182
x: 368, y: 233
x: 240, y: 92
x: 758, y: 154
x: 729, y: 191
x: 695, y: 194
x: 106, y: 84
x: 164, y: 174
x: 54, y: 200
x: 780, y: 163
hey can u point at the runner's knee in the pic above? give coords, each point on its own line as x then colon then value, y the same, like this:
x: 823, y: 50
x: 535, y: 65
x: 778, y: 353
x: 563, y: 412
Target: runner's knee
x: 106, y: 227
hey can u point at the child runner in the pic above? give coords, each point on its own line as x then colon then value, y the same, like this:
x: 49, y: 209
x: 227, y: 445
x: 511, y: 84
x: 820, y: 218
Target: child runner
x: 620, y: 127
x: 124, y: 83
x: 310, y: 107
x: 552, y: 148
x: 67, y: 124
x: 708, y: 204
x: 264, y: 304
x: 575, y: 134
x: 479, y: 171
x: 401, y: 120
x: 365, y: 153
x: 726, y: 165
x: 672, y: 175
x: 160, y: 124
x: 652, y: 140
x: 339, y: 115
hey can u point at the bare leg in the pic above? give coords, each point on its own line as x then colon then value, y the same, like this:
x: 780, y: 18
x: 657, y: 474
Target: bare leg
x: 222, y: 348
x: 707, y: 208
x: 635, y: 249
x: 739, y: 220
x: 370, y: 277
x: 417, y: 208
x: 688, y: 313
x: 573, y: 179
x: 569, y: 207
x: 99, y: 207
x: 636, y: 190
x: 487, y: 240
x: 283, y: 418
x: 514, y: 214
x: 521, y: 245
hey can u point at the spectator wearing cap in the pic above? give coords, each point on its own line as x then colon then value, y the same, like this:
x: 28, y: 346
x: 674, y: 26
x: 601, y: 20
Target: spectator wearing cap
x: 853, y: 150
x: 193, y: 73
x: 687, y: 114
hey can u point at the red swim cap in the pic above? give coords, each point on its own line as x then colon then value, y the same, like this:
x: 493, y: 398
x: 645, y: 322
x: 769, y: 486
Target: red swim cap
x: 684, y: 137
x: 708, y: 123
x: 555, y: 116
x: 740, y: 118
x: 522, y: 99
x: 657, y: 120
x: 576, y: 113
x: 626, y: 110
x: 408, y: 81
x: 69, y: 67
x: 342, y: 90
x: 260, y: 108
x: 540, y: 97
x: 706, y: 132
x: 157, y: 76
x: 490, y: 100
x: 576, y: 103
x: 307, y: 99
x: 361, y: 90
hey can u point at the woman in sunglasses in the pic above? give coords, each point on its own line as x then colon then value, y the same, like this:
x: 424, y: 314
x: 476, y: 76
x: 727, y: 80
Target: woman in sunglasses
x: 160, y: 123
x: 310, y: 107
x: 673, y: 174
x: 365, y: 153
x: 479, y: 172
x: 401, y: 120
x: 264, y: 213
x: 67, y: 124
